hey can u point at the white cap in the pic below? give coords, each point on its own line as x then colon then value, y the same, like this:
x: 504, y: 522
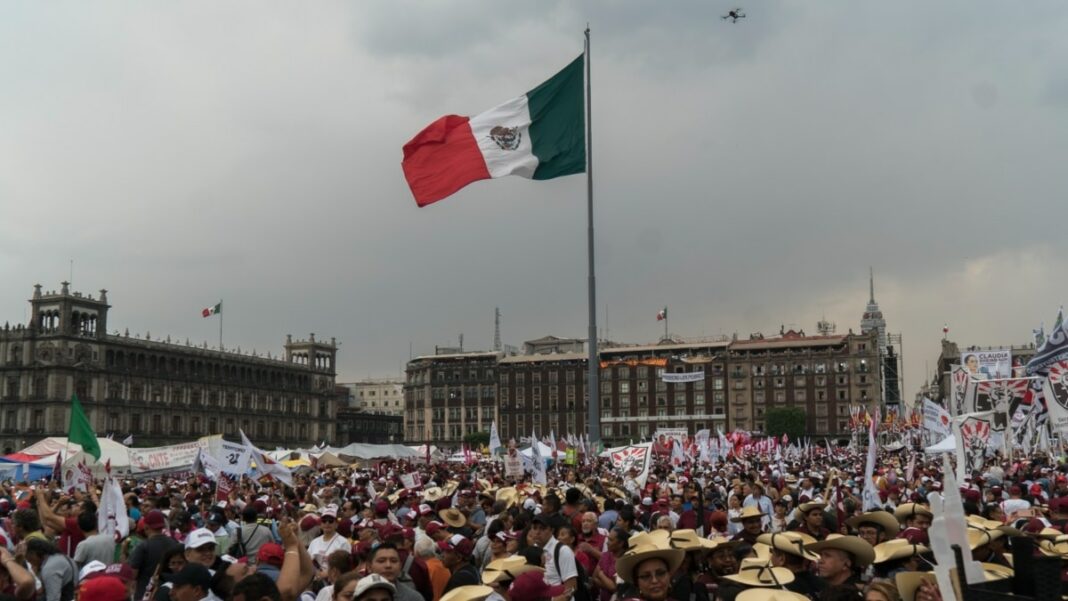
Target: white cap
x: 370, y: 582
x: 199, y: 537
x: 529, y: 504
x: 647, y: 501
x: 330, y: 510
x: 89, y: 568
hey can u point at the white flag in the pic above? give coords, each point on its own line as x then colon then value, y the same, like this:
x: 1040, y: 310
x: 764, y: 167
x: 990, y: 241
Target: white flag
x: 495, y: 439
x: 207, y: 464
x: 111, y: 517
x: 128, y: 440
x: 266, y: 465
x: 936, y: 418
x: 540, y: 476
x: 869, y: 496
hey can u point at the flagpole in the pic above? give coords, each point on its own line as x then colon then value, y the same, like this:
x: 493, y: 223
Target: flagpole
x: 593, y: 406
x: 220, y: 325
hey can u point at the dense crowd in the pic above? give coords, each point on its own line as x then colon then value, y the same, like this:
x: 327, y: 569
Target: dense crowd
x: 750, y: 528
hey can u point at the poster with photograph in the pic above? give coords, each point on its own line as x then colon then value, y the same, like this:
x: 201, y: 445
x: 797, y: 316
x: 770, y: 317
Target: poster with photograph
x: 987, y: 365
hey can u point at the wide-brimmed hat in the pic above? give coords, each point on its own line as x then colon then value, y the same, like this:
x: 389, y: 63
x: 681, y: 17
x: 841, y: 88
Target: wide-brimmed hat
x: 907, y: 510
x: 507, y: 568
x: 804, y: 508
x: 471, y: 592
x: 860, y: 549
x: 883, y: 519
x: 749, y: 512
x: 977, y: 537
x: 688, y: 540
x: 434, y: 493
x: 453, y: 517
x: 508, y: 494
x: 626, y: 563
x: 908, y: 582
x: 761, y: 575
x: 656, y: 538
x: 769, y: 594
x: 897, y: 548
x: 789, y: 542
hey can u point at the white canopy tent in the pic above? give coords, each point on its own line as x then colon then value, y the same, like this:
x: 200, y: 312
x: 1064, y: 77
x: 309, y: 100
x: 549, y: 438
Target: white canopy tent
x: 109, y: 450
x: 947, y: 445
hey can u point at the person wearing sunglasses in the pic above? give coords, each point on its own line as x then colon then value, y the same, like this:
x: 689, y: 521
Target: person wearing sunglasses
x: 329, y: 541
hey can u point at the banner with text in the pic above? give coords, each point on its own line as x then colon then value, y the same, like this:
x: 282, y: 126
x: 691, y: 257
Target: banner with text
x: 988, y: 365
x: 692, y: 376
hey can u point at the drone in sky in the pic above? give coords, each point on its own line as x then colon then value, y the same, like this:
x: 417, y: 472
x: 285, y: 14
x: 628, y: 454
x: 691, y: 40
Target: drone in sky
x: 734, y: 15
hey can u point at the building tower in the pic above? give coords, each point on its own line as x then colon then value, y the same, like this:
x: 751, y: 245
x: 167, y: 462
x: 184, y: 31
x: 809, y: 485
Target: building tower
x: 873, y: 317
x: 69, y: 314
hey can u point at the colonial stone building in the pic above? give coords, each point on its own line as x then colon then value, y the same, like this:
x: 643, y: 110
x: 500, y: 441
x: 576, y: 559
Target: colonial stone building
x: 159, y: 391
x: 724, y: 384
x: 379, y: 396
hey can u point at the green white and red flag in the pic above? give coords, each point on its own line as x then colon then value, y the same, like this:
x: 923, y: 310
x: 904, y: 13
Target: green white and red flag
x: 539, y: 135
x: 209, y: 311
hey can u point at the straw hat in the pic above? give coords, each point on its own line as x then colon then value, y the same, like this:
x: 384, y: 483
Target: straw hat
x: 978, y: 537
x: 897, y: 548
x: 508, y: 568
x: 449, y: 488
x: 471, y: 592
x: 749, y: 512
x: 509, y: 495
x: 909, y: 582
x: 907, y: 510
x: 761, y: 575
x: 688, y: 540
x: 804, y: 508
x: 769, y: 594
x: 453, y: 517
x: 793, y: 543
x: 434, y: 493
x: 656, y: 538
x: 883, y: 519
x: 862, y: 552
x: 979, y: 521
x: 629, y: 561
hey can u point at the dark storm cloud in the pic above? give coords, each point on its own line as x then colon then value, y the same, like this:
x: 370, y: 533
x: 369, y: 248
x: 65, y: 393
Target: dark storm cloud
x: 748, y: 174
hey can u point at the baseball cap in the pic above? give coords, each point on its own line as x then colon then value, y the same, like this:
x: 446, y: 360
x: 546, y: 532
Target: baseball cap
x: 271, y: 553
x: 433, y: 527
x: 200, y: 537
x: 458, y: 544
x: 371, y: 582
x: 192, y: 574
x: 91, y: 570
x: 308, y: 522
x: 155, y: 520
x: 329, y: 510
x: 532, y: 585
x: 104, y: 588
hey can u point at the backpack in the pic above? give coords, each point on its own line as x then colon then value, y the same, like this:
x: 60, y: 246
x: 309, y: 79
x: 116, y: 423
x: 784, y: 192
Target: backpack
x: 582, y: 580
x: 239, y: 549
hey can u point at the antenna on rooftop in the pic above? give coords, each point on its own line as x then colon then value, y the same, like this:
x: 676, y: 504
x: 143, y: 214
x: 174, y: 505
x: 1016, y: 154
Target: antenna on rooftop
x: 824, y: 327
x: 497, y: 329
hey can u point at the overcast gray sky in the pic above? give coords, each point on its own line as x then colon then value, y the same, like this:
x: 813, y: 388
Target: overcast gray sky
x: 747, y: 175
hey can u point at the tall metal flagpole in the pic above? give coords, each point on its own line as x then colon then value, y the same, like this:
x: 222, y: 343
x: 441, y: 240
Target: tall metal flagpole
x: 220, y: 324
x: 593, y: 419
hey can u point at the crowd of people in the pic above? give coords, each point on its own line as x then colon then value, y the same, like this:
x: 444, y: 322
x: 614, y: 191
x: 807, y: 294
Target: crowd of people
x: 748, y: 529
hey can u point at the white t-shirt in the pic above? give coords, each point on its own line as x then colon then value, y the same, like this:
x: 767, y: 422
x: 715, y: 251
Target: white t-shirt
x: 320, y: 548
x: 568, y: 569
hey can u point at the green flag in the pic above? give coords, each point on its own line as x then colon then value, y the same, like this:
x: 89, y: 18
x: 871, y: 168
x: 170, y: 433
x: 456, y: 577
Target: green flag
x: 80, y: 431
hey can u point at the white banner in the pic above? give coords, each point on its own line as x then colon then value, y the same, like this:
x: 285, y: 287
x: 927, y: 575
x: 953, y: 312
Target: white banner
x: 935, y: 418
x: 987, y: 365
x: 637, y: 456
x: 513, y: 464
x: 164, y: 460
x: 233, y: 457
x: 958, y: 391
x: 693, y: 376
x: 1055, y: 390
x: 411, y: 480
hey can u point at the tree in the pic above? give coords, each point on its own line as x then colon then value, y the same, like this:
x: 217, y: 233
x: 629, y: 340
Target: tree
x: 785, y: 420
x: 477, y: 439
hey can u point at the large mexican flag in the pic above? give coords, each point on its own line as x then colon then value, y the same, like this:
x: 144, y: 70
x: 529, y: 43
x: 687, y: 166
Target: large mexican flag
x: 539, y: 135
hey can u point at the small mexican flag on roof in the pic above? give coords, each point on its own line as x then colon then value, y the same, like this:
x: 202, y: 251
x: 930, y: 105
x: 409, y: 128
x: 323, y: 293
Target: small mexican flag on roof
x: 208, y: 312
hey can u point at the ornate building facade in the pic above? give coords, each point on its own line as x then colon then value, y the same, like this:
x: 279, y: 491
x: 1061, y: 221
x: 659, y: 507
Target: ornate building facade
x: 722, y: 384
x: 158, y: 391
